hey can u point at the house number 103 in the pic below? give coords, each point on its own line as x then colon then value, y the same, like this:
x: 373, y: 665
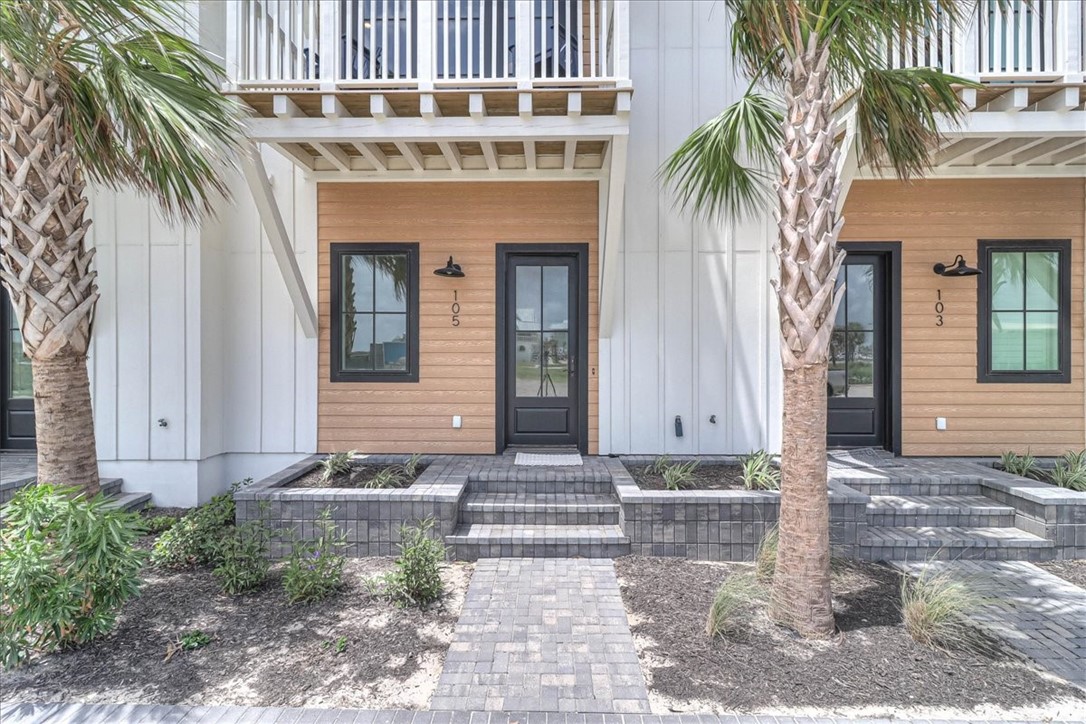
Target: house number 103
x: 939, y: 307
x: 456, y: 309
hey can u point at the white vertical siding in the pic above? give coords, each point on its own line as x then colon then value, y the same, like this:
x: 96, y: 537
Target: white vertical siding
x: 695, y: 327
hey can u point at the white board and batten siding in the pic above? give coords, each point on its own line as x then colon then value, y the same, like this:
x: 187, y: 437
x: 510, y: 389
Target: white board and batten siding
x: 694, y: 331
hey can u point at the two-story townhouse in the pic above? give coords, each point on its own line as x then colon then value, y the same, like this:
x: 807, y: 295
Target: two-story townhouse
x: 450, y: 237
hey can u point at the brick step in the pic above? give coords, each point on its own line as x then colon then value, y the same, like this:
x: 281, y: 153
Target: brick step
x: 924, y: 485
x: 110, y: 486
x: 965, y: 511
x: 556, y: 485
x: 472, y: 542
x: 953, y: 543
x: 539, y: 509
x: 129, y: 501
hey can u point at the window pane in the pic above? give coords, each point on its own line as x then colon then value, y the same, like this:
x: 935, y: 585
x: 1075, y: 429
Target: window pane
x: 529, y: 376
x: 555, y: 297
x: 390, y: 342
x: 21, y: 382
x: 357, y: 284
x: 1042, y: 280
x: 1008, y: 341
x: 861, y: 364
x: 529, y: 296
x: 1042, y: 341
x: 556, y: 364
x: 358, y: 341
x: 839, y: 321
x: 838, y: 347
x: 1008, y: 271
x: 860, y: 295
x: 390, y: 272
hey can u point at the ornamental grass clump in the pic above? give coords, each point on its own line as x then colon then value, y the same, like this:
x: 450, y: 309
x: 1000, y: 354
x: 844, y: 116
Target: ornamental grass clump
x: 935, y: 608
x: 732, y: 599
x: 1070, y: 471
x: 759, y: 472
x: 679, y: 475
x: 1022, y: 465
x: 417, y: 578
x: 765, y: 558
x: 315, y: 569
x: 335, y: 465
x: 67, y: 565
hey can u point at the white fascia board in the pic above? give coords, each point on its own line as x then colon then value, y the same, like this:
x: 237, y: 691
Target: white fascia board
x: 499, y: 174
x: 612, y: 239
x: 1038, y: 171
x: 987, y: 123
x: 392, y: 129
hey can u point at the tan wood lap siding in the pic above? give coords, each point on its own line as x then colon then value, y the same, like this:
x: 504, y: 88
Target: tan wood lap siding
x: 935, y: 220
x: 457, y: 365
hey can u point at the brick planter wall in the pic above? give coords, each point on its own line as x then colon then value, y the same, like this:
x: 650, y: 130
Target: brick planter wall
x: 1051, y: 512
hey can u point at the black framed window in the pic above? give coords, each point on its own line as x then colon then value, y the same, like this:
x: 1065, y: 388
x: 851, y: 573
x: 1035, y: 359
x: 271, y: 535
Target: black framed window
x: 375, y: 312
x: 1024, y: 311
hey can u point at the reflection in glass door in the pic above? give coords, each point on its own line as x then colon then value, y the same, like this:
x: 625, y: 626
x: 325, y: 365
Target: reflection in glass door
x: 16, y: 384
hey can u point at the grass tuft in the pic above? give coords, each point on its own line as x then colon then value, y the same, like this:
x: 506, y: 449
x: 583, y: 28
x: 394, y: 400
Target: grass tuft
x: 732, y: 598
x: 1070, y: 471
x: 336, y: 464
x: 765, y: 558
x: 935, y: 608
x: 678, y: 475
x: 758, y: 471
x: 1024, y: 466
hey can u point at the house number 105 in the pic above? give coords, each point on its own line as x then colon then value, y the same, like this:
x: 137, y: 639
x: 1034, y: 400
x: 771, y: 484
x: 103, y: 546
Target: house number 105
x: 939, y: 307
x: 456, y: 309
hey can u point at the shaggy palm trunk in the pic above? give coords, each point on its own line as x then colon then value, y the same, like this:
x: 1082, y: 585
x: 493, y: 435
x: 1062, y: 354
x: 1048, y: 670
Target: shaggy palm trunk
x: 46, y: 269
x: 809, y: 262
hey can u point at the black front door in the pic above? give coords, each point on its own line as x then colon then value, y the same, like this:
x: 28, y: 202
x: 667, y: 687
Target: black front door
x: 542, y: 345
x: 859, y: 373
x: 16, y: 387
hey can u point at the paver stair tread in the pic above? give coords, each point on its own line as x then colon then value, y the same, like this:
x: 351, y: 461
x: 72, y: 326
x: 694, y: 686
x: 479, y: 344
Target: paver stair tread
x: 129, y: 501
x: 540, y: 501
x: 110, y: 486
x: 937, y: 504
x: 951, y: 537
x: 537, y: 533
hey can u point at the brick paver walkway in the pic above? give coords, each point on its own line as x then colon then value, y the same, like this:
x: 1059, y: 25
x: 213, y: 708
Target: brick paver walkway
x: 542, y: 635
x: 1039, y: 614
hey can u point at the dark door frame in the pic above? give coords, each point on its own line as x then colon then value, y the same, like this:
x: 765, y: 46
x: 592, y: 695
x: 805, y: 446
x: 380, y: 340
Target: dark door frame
x: 6, y: 442
x: 890, y: 251
x: 503, y: 254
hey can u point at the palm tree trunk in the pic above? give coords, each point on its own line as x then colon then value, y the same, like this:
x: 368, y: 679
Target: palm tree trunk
x: 809, y: 262
x: 47, y: 271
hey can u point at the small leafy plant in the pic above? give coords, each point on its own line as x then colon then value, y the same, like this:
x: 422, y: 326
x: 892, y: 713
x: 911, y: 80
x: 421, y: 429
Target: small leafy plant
x: 67, y: 565
x: 660, y: 464
x: 387, y: 478
x: 1070, y: 471
x: 732, y: 598
x: 338, y: 646
x: 1022, y: 465
x: 315, y: 569
x: 765, y: 558
x: 335, y: 465
x: 759, y: 472
x: 243, y: 558
x: 197, y: 539
x: 158, y: 524
x: 411, y: 467
x: 189, y: 641
x: 935, y: 607
x: 417, y: 578
x: 677, y: 475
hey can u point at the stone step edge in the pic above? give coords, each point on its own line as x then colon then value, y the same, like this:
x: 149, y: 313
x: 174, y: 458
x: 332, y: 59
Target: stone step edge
x: 129, y: 501
x: 949, y: 538
x: 990, y: 507
x: 470, y: 534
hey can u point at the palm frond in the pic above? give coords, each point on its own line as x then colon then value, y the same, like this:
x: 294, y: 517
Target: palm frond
x: 898, y: 113
x: 722, y: 167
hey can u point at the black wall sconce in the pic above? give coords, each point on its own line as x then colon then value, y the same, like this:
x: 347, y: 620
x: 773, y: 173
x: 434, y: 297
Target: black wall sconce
x: 450, y: 270
x: 957, y: 268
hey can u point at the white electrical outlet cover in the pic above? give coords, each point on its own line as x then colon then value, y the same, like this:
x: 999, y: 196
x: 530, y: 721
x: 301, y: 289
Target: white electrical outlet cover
x: 458, y: 422
x: 940, y: 423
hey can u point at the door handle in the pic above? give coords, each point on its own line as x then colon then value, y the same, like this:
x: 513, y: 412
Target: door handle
x: 572, y: 366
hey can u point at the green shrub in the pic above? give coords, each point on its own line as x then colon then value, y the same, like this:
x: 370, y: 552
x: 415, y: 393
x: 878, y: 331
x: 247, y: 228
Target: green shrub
x: 193, y: 640
x: 1022, y: 465
x: 679, y: 474
x: 417, y: 578
x: 1070, y: 471
x: 935, y: 607
x: 765, y: 558
x: 159, y: 523
x: 336, y: 464
x: 660, y: 464
x: 733, y: 597
x: 197, y: 539
x: 243, y: 558
x: 315, y: 569
x: 67, y: 565
x: 759, y: 472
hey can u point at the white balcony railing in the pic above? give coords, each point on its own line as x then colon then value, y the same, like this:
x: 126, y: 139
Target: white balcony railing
x: 1006, y: 40
x: 427, y: 43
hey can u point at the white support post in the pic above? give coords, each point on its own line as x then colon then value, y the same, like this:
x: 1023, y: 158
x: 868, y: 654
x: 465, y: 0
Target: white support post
x: 968, y: 36
x: 332, y: 107
x: 329, y: 45
x: 525, y: 55
x: 612, y: 237
x: 426, y: 43
x: 235, y: 46
x: 272, y: 220
x: 1071, y: 17
x: 622, y: 44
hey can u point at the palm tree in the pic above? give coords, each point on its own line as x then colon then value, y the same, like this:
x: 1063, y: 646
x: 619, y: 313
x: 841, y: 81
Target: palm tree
x: 106, y: 93
x: 807, y: 59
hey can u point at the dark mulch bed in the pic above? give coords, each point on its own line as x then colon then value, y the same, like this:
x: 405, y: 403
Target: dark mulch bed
x: 1070, y: 571
x: 715, y: 476
x: 264, y: 651
x: 359, y: 477
x: 872, y: 662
